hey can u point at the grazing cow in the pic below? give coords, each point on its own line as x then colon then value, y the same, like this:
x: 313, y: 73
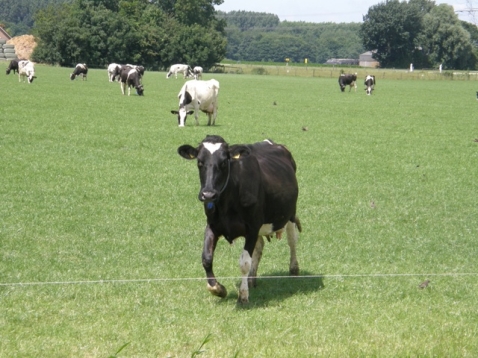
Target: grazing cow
x: 348, y: 79
x: 250, y: 191
x: 370, y: 84
x: 80, y: 69
x: 114, y: 70
x: 185, y: 69
x: 129, y: 77
x: 26, y: 69
x: 197, y: 72
x: 198, y: 95
x: 117, y: 69
x: 140, y: 69
x: 13, y: 66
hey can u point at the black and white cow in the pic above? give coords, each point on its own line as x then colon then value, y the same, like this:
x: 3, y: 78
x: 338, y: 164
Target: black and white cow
x: 80, y: 69
x: 114, y: 70
x: 185, y: 69
x: 248, y: 191
x: 369, y: 83
x: 13, y: 66
x: 26, y: 70
x: 197, y: 72
x: 130, y: 77
x: 138, y: 68
x: 348, y: 79
x: 198, y: 95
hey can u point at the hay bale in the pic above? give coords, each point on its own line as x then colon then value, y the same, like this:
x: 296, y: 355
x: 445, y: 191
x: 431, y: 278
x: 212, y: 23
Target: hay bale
x: 24, y: 45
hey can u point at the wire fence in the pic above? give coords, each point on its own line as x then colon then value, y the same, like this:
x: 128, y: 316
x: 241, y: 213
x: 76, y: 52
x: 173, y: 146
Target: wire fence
x: 335, y: 72
x: 224, y: 278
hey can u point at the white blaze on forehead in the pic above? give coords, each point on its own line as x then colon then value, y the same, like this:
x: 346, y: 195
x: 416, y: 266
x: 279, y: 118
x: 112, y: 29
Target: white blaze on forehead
x: 212, y: 147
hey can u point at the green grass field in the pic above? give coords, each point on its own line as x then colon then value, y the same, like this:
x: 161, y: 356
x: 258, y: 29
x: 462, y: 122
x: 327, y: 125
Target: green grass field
x: 101, y: 230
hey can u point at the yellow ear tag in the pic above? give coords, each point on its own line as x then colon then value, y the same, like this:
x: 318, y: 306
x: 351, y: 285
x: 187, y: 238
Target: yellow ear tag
x: 191, y: 156
x: 236, y: 156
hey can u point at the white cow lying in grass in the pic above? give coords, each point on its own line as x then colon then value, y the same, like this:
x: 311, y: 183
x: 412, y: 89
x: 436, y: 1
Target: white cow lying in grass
x: 198, y: 95
x: 185, y: 69
x: 26, y: 70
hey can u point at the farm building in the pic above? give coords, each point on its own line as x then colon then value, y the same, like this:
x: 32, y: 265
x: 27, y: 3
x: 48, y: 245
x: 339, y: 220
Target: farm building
x: 7, y: 52
x: 366, y: 60
x: 4, y: 35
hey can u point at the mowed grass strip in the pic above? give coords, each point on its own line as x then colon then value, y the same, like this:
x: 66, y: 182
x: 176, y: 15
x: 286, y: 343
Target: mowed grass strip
x: 92, y: 189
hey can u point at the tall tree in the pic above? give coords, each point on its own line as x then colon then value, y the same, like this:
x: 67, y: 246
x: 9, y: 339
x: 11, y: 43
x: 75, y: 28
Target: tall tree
x: 129, y: 31
x: 446, y: 41
x: 391, y: 28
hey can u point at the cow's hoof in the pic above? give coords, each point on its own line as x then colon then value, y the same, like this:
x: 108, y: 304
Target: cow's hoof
x: 242, y: 300
x: 218, y: 290
x: 294, y: 270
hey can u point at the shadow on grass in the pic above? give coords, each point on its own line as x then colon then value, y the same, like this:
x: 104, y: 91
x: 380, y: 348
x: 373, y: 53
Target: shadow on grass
x: 274, y: 287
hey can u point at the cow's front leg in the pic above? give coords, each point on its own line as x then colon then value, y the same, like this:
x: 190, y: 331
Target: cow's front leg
x: 210, y: 241
x: 256, y: 259
x: 245, y: 264
x: 196, y: 110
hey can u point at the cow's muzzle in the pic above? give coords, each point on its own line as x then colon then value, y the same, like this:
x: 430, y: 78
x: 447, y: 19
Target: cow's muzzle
x: 207, y: 196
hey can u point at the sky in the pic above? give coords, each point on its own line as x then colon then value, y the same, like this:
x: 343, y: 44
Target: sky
x: 328, y: 10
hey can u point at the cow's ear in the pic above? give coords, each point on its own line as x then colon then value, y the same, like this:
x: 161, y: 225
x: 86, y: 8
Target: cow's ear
x: 188, y: 152
x: 190, y: 112
x: 238, y: 152
x: 174, y: 112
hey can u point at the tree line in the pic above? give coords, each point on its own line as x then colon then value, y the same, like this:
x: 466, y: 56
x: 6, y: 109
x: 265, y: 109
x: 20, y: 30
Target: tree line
x: 253, y: 36
x: 157, y: 33
x: 153, y: 33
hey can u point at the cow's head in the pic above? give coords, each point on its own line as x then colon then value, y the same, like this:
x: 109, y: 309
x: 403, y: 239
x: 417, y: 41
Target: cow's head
x: 185, y: 99
x: 72, y: 76
x: 214, y: 163
x: 31, y: 78
x: 140, y: 90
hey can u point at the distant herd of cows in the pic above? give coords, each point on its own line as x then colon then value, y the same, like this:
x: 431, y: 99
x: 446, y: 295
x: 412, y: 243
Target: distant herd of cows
x: 194, y: 96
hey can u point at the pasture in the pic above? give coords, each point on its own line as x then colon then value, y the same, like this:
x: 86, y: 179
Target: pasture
x: 101, y: 230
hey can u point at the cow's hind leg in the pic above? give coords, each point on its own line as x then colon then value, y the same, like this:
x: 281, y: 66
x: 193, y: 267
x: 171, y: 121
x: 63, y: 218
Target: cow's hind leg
x: 256, y: 259
x: 292, y: 238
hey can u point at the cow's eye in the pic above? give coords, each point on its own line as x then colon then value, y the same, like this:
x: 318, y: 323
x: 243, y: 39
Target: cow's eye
x: 200, y: 164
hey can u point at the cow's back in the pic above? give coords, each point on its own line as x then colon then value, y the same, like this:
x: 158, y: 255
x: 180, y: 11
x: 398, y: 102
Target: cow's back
x: 278, y: 182
x: 205, y: 92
